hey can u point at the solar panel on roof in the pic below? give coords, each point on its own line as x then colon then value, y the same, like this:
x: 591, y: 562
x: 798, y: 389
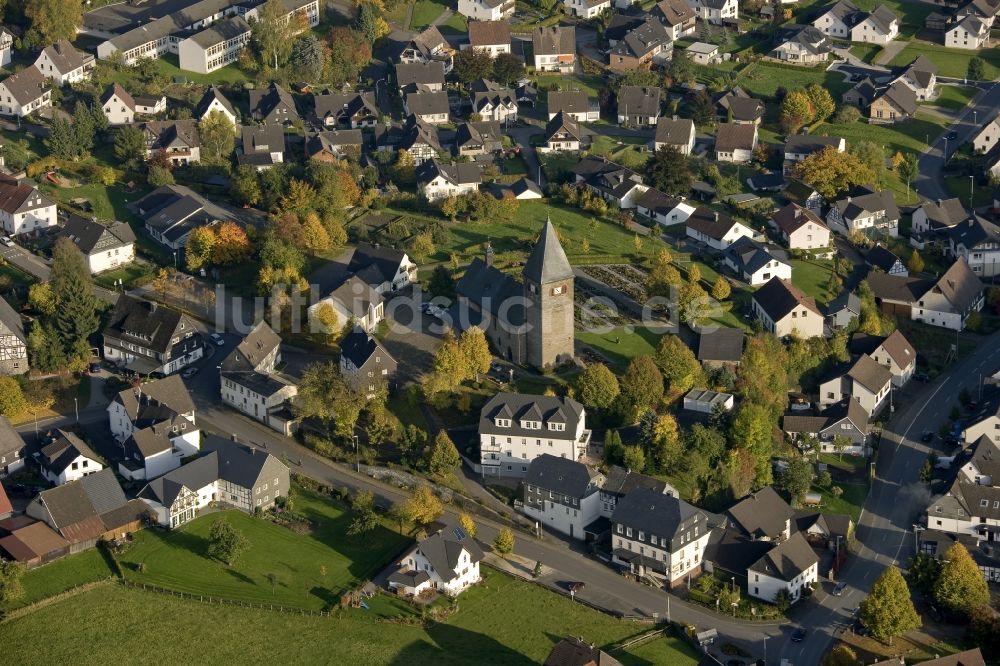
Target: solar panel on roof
x: 460, y: 533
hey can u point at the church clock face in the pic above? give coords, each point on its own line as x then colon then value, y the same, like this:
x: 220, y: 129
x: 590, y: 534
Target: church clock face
x: 561, y: 289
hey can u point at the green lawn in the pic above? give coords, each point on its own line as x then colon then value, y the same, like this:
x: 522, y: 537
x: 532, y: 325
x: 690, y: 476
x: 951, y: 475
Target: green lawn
x: 107, y: 202
x: 133, y: 275
x: 455, y: 25
x: 178, y: 559
x: 11, y: 275
x: 764, y: 78
x: 953, y: 97
x: 850, y: 502
x: 533, y: 620
x: 958, y: 186
x: 908, y: 136
x: 629, y: 152
x: 951, y: 62
x: 811, y: 276
x: 620, y: 346
x: 866, y: 52
x: 59, y: 576
x: 228, y: 75
x: 426, y: 12
x: 586, y: 82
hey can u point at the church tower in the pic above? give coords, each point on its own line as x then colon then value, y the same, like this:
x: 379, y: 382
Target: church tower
x: 548, y: 289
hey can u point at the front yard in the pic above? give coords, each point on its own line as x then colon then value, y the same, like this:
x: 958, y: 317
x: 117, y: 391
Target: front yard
x: 953, y: 63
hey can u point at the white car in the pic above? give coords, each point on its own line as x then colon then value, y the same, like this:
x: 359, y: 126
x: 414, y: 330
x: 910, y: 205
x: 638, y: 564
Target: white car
x: 189, y: 373
x: 7, y: 240
x: 218, y: 339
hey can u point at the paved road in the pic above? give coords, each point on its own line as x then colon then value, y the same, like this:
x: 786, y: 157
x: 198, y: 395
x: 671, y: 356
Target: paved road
x: 896, y: 501
x: 34, y: 265
x: 930, y: 181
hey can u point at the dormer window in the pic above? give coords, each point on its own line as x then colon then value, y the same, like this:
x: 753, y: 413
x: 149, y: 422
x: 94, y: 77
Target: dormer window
x: 503, y: 423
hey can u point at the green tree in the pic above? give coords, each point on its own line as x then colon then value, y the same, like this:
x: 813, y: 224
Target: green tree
x: 225, y: 542
x: 751, y: 431
x: 441, y: 282
x: 507, y: 69
x: 678, y: 364
x: 923, y: 573
x: 796, y: 110
x: 245, y: 185
x: 831, y: 172
x: 614, y: 451
x: 888, y: 611
x: 365, y: 518
x: 12, y: 402
x: 370, y: 22
x: 324, y: 395
x: 721, y: 289
x: 670, y: 171
x: 76, y: 318
x: 218, y: 138
x: 42, y: 299
x: 960, y: 586
x: 762, y: 376
x: 872, y: 155
x: 907, y: 169
x: 665, y: 445
x: 476, y: 351
x: 503, y: 545
x: 472, y: 65
x: 976, y: 69
x: 84, y: 127
x: 821, y: 101
x: 130, y: 145
x: 634, y: 458
x: 915, y: 264
x: 52, y: 20
x: 444, y: 457
x: 10, y: 580
x: 796, y: 478
x: 159, y: 176
x: 350, y: 52
x: 597, y: 387
x: 44, y: 351
x: 62, y: 140
x: 272, y: 32
x: 641, y: 387
x: 308, y: 58
x: 841, y: 655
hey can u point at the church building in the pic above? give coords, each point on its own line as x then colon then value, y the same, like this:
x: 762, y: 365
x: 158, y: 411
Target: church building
x: 528, y: 321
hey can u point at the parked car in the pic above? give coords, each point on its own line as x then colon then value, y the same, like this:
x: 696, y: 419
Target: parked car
x: 928, y: 436
x: 189, y: 373
x: 798, y: 635
x: 218, y: 339
x: 921, y: 377
x: 95, y: 368
x: 574, y: 586
x: 839, y: 588
x: 7, y: 240
x: 952, y: 135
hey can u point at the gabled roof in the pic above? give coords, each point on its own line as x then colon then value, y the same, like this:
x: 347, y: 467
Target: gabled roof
x: 639, y: 100
x: 5, y: 505
x: 842, y: 10
x: 673, y: 131
x: 562, y: 122
x: 168, y: 393
x: 85, y: 233
x: 489, y: 33
x: 384, y: 260
x: 427, y: 103
x: 429, y: 40
x: 844, y: 301
x: 761, y: 514
x: 146, y: 323
x: 15, y: 194
x: 163, y: 134
x: 263, y: 101
x: 65, y: 57
x: 63, y: 450
x: 973, y: 232
x: 426, y: 73
x: 985, y: 457
x: 787, y: 560
x: 944, y: 212
x: 10, y: 439
x: 898, y: 288
x: 10, y: 324
x: 642, y: 39
x: 547, y: 261
x: 901, y: 96
x: 115, y: 90
x: 959, y: 285
x: 574, y: 652
x: 461, y: 173
x: 657, y: 513
x: 358, y: 346
x: 211, y: 95
x: 870, y: 374
x: 793, y: 217
x: 853, y: 207
x: 740, y: 106
x: 899, y: 349
x: 444, y: 550
x: 806, y: 37
x: 25, y: 86
x: 75, y: 508
x: 554, y: 40
x: 811, y: 143
x: 673, y: 12
x: 882, y: 257
x: 260, y: 342
x: 779, y: 297
x: 562, y: 475
x: 710, y: 222
x: 883, y: 17
x: 749, y: 256
x: 548, y: 408
x: 570, y: 101
x: 620, y: 481
x: 735, y: 136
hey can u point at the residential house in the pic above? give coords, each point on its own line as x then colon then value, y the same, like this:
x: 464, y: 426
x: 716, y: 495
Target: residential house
x: 932, y: 217
x: 562, y: 494
x: 801, y: 228
x: 638, y: 106
x: 843, y: 309
x: 437, y: 180
x: 988, y: 136
x: 351, y: 110
x: 214, y: 100
x: 968, y: 509
x: 706, y: 401
x: 420, y: 76
x: 384, y: 268
x: 105, y: 247
x: 227, y: 472
x: 6, y: 44
x: 825, y: 530
x: 715, y: 11
x: 893, y: 352
x: 784, y: 310
x: 24, y: 93
x: 762, y: 516
x: 23, y: 209
x: 795, y: 191
x: 837, y: 20
x: 493, y: 37
x: 983, y: 552
x: 447, y: 562
x: 575, y: 652
x: 215, y: 47
x: 612, y: 182
x: 334, y: 145
x: 977, y: 240
x: 164, y: 405
x: 801, y: 45
x: 66, y: 457
x: 921, y: 76
x: 866, y: 381
x: 893, y: 103
x: 880, y: 26
x: 662, y: 208
x: 514, y: 429
x: 800, y: 146
x: 554, y: 49
x: 118, y: 105
x: 62, y: 63
x: 754, y: 262
x: 146, y: 337
x: 868, y: 212
x: 678, y: 133
x: 949, y: 302
x: 737, y: 107
x: 703, y: 53
x: 521, y: 189
x: 789, y: 567
x: 11, y: 448
x: 473, y: 139
x: 179, y: 140
x: 562, y: 133
x: 735, y: 143
x: 353, y: 300
x: 886, y: 261
x: 272, y: 105
x: 721, y: 347
x: 486, y: 10
x: 493, y: 101
x: 716, y: 230
x: 364, y: 363
x: 418, y: 138
x: 171, y: 212
x: 427, y: 46
x: 677, y: 16
x: 575, y: 104
x: 983, y: 467
x: 970, y: 33
x: 618, y: 483
x: 847, y: 419
x: 647, y: 44
x: 659, y: 537
x: 430, y: 107
x: 250, y: 382
x: 261, y: 146
x: 587, y: 9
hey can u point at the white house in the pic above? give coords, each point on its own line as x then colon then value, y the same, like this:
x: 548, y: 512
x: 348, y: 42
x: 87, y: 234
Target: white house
x: 575, y: 104
x: 146, y: 337
x: 562, y: 494
x: 784, y: 310
x: 988, y: 136
x: 250, y: 383
x: 118, y: 105
x: 754, y: 262
x: 871, y: 212
x: 486, y: 10
x: 897, y: 355
x: 971, y: 509
x: 354, y: 299
x: 6, y: 44
x: 62, y: 63
x: 838, y: 20
x: 160, y: 401
x: 969, y: 33
x: 879, y: 27
x: 716, y: 230
x: 67, y: 458
x: 977, y: 240
x: 214, y: 100
x: 23, y: 209
x: 735, y: 142
x: 23, y: 93
x: 659, y: 536
x: 678, y: 133
x: 801, y: 228
x: 984, y: 465
x: 436, y: 180
x: 214, y: 47
x: 662, y: 208
x: 515, y: 428
x: 493, y: 37
x: 949, y: 302
x: 715, y: 11
x: 791, y: 566
x: 554, y: 49
x: 105, y: 247
x: 154, y: 450
x: 866, y: 381
x: 11, y: 448
x: 586, y: 9
x: 447, y: 562
x: 384, y: 268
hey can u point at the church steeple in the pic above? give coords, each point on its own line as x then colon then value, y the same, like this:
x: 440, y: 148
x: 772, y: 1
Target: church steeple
x: 548, y: 262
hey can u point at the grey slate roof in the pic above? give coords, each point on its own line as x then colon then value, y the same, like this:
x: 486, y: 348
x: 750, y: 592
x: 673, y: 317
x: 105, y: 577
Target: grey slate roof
x: 788, y: 559
x: 27, y: 85
x: 779, y: 297
x: 620, y: 482
x: 264, y: 101
x: 486, y: 133
x: 898, y: 288
x: 959, y: 285
x: 575, y: 652
x: 86, y: 233
x: 749, y: 256
x: 554, y: 40
x: 358, y: 346
x: 561, y: 475
x: 732, y: 136
x: 721, y: 344
x: 385, y: 261
x: 869, y: 374
x: 426, y: 103
x: 902, y: 97
x: 642, y: 40
x: 461, y: 173
x: 856, y: 206
x: 570, y: 101
x: 658, y: 514
x: 444, y: 549
x: 65, y: 57
x: 419, y: 73
x: 986, y: 457
x: 489, y: 288
x: 810, y: 143
x: 944, y: 212
x: 741, y: 106
x: 64, y: 449
x: 761, y: 514
x: 212, y: 94
x: 673, y: 12
x: 561, y: 122
x: 547, y: 261
x: 155, y: 400
x: 145, y: 323
x: 515, y: 406
x: 82, y: 500
x: 221, y: 31
x: 10, y: 439
x: 881, y: 257
x: 673, y: 131
x: 975, y: 231
x: 639, y: 100
x: 253, y: 348
x: 11, y: 320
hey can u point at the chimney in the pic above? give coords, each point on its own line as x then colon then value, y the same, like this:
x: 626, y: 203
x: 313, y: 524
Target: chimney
x: 938, y: 202
x: 152, y: 307
x: 489, y: 253
x: 234, y: 437
x: 716, y: 215
x: 972, y: 220
x: 848, y: 198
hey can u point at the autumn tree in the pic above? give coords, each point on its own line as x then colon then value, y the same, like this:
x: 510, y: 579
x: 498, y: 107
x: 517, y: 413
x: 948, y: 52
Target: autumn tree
x: 476, y: 350
x: 665, y: 443
x: 370, y: 22
x: 821, y: 101
x: 503, y: 544
x: 831, y: 172
x: 634, y: 458
x: 422, y: 507
x: 750, y: 431
x: 324, y: 395
x: 11, y: 573
x: 721, y: 289
x: 670, y: 172
x: 762, y: 376
x: 444, y: 457
x: 232, y: 245
x: 271, y: 33
x: 316, y: 239
x: 678, y: 364
x: 915, y: 264
x: 218, y: 138
x: 472, y: 65
x: 888, y: 611
x: 52, y: 20
x: 199, y: 247
x: 796, y: 110
x: 641, y: 387
x: 467, y: 523
x: 597, y: 387
x: 244, y: 185
x: 960, y: 586
x: 12, y: 401
x: 663, y: 277
x: 350, y: 52
x: 841, y: 655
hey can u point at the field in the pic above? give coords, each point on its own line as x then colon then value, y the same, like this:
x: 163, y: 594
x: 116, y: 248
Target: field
x: 589, y: 83
x: 866, y: 52
x: 533, y: 620
x: 765, y: 78
x: 178, y: 559
x: 812, y: 276
x: 951, y: 62
x: 61, y: 575
x: 620, y: 346
x: 425, y: 12
x: 953, y: 97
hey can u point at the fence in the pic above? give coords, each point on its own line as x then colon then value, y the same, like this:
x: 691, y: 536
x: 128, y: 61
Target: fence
x: 220, y: 601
